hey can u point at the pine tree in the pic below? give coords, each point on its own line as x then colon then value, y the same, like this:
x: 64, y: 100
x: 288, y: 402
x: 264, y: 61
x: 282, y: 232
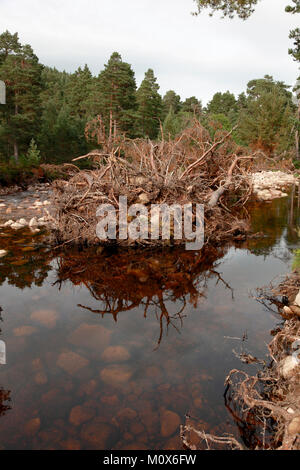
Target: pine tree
x: 21, y: 72
x: 192, y: 105
x: 266, y: 122
x: 222, y: 103
x: 149, y: 107
x: 171, y: 100
x: 118, y: 95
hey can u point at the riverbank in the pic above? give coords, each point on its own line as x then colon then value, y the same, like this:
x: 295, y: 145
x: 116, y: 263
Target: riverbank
x: 269, y: 185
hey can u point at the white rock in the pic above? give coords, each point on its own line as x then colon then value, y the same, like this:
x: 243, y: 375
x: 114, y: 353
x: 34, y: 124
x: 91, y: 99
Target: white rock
x: 8, y: 223
x: 38, y: 203
x: 288, y: 366
x: 16, y: 226
x: 33, y: 222
x: 47, y: 203
x: 2, y: 205
x: 290, y: 411
x: 22, y: 222
x: 297, y: 299
x: 3, y: 253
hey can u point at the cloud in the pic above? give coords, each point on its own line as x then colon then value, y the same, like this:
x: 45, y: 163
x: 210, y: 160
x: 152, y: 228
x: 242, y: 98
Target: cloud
x: 193, y: 55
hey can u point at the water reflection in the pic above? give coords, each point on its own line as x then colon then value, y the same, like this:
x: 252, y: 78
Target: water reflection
x: 82, y: 330
x: 123, y: 281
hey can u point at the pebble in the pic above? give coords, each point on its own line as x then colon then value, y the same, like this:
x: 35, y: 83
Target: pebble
x: 170, y: 422
x: 115, y: 354
x: 46, y: 318
x: 3, y: 253
x: 294, y: 426
x: 95, y: 337
x: 71, y: 362
x: 98, y: 435
x: 24, y: 330
x: 116, y: 375
x: 79, y: 415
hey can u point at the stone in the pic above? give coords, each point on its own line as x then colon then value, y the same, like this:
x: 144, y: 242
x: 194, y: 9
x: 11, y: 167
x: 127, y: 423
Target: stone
x: 70, y: 444
x: 125, y: 415
x: 294, y: 426
x: 45, y: 318
x: 24, y: 330
x: 295, y: 310
x: 198, y: 403
x: 297, y: 299
x: 22, y: 222
x: 111, y: 400
x: 3, y: 253
x: 32, y: 427
x: 98, y: 435
x: 144, y: 198
x: 115, y: 354
x: 116, y: 375
x: 79, y: 415
x: 8, y: 223
x: 71, y: 362
x: 288, y: 366
x: 170, y: 422
x: 95, y: 337
x: 88, y: 388
x: 135, y: 446
x: 33, y: 222
x: 137, y: 429
x: 41, y: 378
x: 16, y: 226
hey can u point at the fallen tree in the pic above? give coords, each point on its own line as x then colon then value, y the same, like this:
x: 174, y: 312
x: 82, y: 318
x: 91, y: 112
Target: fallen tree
x: 192, y: 168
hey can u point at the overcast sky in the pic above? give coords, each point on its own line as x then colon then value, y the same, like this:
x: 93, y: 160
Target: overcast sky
x: 192, y: 55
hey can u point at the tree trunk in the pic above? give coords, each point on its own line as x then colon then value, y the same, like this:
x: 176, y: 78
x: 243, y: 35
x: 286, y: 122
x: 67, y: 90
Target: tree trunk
x: 16, y: 152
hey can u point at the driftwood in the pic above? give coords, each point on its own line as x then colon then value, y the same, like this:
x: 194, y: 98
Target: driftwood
x: 185, y: 170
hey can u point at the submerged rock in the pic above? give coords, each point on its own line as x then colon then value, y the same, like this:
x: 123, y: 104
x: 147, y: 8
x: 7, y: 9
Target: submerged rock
x: 115, y: 354
x: 90, y: 336
x: 116, y: 375
x: 170, y: 422
x: 46, y: 318
x: 98, y: 435
x: 80, y: 414
x: 32, y: 427
x: 71, y: 362
x: 24, y: 330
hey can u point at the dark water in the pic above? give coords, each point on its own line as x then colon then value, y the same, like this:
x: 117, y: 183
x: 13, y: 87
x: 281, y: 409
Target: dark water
x: 110, y: 351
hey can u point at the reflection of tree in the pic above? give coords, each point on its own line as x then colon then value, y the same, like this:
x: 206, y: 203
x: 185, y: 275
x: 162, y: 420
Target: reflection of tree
x: 4, y: 400
x: 278, y: 222
x: 146, y: 279
x: 28, y: 261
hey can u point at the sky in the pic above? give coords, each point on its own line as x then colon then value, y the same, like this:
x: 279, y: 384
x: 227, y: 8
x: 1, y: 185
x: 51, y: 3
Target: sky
x: 193, y: 55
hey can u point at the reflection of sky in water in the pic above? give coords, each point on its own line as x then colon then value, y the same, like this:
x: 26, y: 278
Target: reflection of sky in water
x: 200, y: 350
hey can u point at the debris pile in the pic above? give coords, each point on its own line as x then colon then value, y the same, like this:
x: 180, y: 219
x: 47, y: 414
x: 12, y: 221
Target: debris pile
x: 193, y: 168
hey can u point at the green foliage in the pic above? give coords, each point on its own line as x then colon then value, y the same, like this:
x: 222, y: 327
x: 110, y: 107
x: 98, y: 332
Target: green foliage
x: 296, y: 261
x: 118, y: 94
x: 21, y: 71
x: 171, y: 101
x: 33, y: 155
x: 267, y: 120
x: 149, y: 110
x: 230, y: 8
